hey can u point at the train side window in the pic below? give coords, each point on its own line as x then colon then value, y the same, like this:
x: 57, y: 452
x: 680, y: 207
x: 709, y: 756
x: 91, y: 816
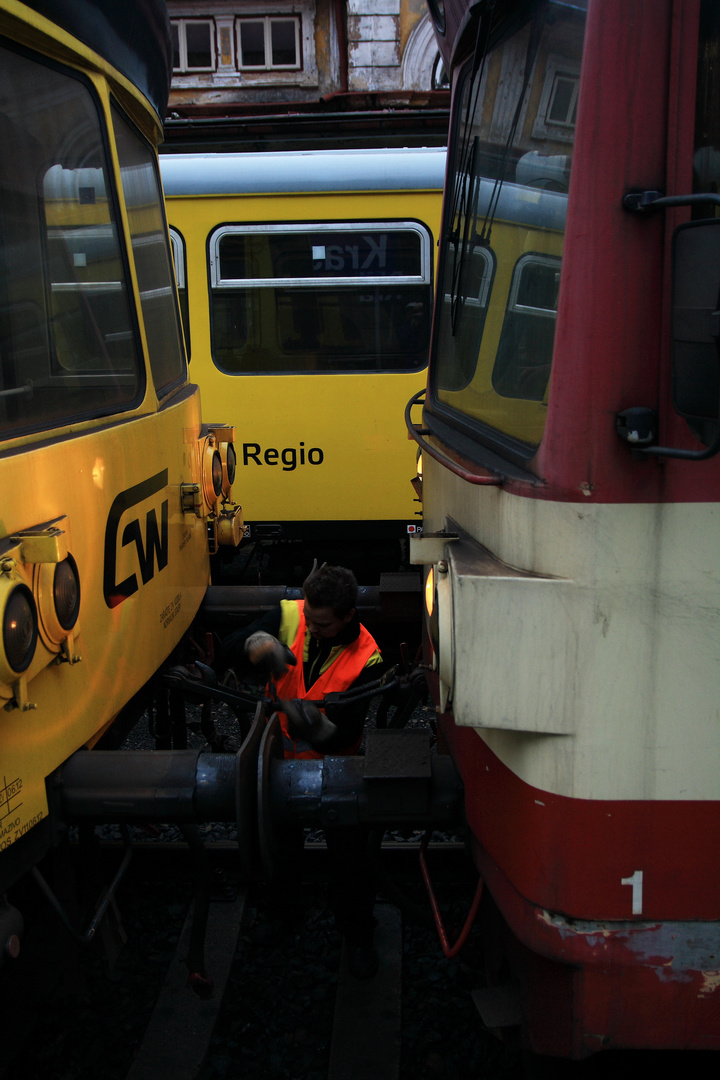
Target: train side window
x: 148, y: 231
x: 322, y: 297
x: 177, y: 246
x: 510, y: 161
x: 464, y: 314
x: 524, y: 354
x: 67, y: 336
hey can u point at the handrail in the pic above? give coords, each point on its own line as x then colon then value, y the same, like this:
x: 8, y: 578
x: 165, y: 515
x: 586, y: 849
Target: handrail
x: 643, y: 203
x: 417, y: 433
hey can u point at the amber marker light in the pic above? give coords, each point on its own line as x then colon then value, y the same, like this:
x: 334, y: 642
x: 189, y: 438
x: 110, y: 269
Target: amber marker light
x: 430, y: 592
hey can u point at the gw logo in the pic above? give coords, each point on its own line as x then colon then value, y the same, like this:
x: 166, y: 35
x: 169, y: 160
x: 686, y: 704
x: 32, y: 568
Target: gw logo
x: 155, y: 543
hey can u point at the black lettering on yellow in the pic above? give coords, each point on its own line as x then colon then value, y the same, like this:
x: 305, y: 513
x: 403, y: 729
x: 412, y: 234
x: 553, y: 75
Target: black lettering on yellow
x: 289, y: 456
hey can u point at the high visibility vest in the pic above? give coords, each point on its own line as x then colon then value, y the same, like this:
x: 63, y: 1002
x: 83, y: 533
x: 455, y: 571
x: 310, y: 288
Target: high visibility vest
x: 338, y: 675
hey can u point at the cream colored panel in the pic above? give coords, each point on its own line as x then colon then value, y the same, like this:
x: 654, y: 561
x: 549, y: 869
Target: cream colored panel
x: 621, y: 652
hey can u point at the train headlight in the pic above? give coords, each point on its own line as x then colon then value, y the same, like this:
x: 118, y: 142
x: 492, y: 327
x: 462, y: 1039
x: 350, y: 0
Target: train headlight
x: 212, y: 473
x: 431, y: 610
x: 435, y: 550
x: 438, y: 610
x: 66, y: 593
x: 417, y: 484
x: 58, y: 593
x: 231, y: 468
x: 430, y: 592
x: 19, y: 629
x: 217, y: 474
x: 224, y: 436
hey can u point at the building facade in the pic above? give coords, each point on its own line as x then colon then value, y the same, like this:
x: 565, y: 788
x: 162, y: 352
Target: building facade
x: 259, y: 58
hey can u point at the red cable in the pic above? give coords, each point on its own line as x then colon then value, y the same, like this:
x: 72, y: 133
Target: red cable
x: 449, y: 950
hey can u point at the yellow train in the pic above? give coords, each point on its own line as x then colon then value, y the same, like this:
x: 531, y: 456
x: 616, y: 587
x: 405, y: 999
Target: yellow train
x: 307, y: 283
x: 113, y: 491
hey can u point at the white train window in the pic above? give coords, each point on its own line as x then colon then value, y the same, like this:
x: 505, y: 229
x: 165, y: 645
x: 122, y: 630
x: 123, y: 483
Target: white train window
x: 323, y: 297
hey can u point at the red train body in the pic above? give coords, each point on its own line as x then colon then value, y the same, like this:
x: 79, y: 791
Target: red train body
x: 572, y: 546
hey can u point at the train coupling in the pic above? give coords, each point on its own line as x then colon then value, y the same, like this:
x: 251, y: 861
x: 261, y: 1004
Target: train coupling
x: 398, y: 784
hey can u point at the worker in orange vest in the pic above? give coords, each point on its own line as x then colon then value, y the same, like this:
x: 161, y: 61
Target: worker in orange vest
x: 314, y: 647
x: 320, y: 647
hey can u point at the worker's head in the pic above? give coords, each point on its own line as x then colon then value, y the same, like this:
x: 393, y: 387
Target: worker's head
x: 330, y: 600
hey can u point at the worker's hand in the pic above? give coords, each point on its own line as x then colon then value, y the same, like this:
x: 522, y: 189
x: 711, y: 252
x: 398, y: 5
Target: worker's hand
x: 305, y: 721
x: 262, y: 648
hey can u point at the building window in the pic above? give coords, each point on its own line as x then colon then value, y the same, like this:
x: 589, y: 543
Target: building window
x: 268, y: 43
x: 557, y: 111
x: 193, y: 45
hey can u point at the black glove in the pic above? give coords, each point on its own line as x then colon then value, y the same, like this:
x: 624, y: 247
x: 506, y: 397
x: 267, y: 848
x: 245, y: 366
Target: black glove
x: 262, y: 648
x: 305, y: 721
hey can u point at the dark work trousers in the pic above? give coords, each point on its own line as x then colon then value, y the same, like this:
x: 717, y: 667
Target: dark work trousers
x: 352, y: 879
x: 352, y: 883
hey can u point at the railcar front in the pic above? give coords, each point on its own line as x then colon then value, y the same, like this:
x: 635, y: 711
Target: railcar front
x: 308, y: 281
x: 110, y: 484
x: 571, y: 505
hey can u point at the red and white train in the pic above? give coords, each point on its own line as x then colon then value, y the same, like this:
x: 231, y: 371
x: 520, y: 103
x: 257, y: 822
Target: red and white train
x: 571, y: 490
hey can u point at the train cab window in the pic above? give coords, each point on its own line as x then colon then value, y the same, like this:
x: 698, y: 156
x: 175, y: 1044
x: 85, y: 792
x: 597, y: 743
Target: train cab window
x: 146, y: 217
x: 177, y: 246
x: 67, y: 335
x: 324, y: 297
x: 524, y: 355
x: 509, y: 177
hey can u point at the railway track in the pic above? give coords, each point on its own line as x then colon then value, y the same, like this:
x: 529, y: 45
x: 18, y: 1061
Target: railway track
x: 366, y: 1034
x: 283, y: 999
x: 283, y: 1005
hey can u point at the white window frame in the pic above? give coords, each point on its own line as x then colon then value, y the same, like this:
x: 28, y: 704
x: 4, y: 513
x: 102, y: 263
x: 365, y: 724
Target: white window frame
x: 226, y: 73
x: 178, y: 251
x: 267, y: 21
x: 423, y: 276
x: 553, y: 262
x: 557, y: 67
x: 181, y: 25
